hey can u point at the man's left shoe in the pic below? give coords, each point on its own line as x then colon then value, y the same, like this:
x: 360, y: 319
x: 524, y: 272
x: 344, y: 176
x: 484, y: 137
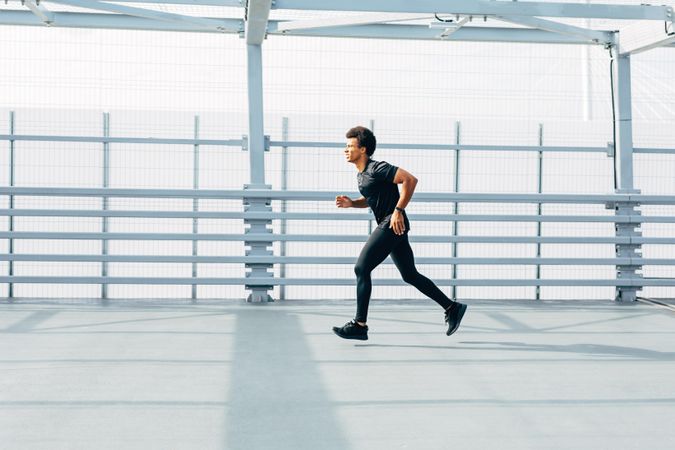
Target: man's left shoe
x: 352, y: 330
x: 453, y: 317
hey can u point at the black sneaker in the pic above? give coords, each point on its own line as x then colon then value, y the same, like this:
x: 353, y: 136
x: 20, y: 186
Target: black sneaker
x: 352, y: 330
x: 453, y: 317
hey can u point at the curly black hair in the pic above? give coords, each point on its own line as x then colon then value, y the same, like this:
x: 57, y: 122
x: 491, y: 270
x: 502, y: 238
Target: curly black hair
x: 365, y: 137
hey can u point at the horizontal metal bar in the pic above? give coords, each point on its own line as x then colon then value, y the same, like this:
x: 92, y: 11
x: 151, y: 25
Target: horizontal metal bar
x: 327, y: 216
x: 481, y: 8
x: 325, y: 195
x: 119, y: 22
x: 653, y: 150
x: 426, y: 33
x: 331, y: 260
x: 330, y: 196
x: 652, y: 199
x: 315, y: 144
x: 335, y: 281
x: 296, y: 144
x: 233, y: 3
x: 408, y: 146
x: 557, y: 27
x: 121, y: 140
x: 236, y: 26
x: 333, y: 21
x: 151, y: 14
x: 254, y: 237
x: 131, y: 214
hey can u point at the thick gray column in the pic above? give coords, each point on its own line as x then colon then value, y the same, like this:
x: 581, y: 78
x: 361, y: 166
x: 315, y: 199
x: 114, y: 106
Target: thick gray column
x: 256, y: 134
x: 623, y: 167
x: 256, y: 146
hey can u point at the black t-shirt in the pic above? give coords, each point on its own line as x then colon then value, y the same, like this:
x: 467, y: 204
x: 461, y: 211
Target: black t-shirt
x: 376, y: 184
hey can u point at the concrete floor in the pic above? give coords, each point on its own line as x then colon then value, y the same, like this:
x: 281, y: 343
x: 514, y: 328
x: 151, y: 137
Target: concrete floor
x: 517, y: 375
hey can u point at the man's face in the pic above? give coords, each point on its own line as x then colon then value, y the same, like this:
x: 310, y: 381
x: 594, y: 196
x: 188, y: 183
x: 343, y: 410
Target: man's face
x: 352, y: 150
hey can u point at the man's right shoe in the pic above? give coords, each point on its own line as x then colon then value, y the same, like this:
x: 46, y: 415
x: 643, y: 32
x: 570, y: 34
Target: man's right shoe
x: 453, y: 317
x: 352, y: 330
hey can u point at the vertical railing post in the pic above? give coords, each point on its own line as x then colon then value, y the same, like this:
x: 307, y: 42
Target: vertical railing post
x: 456, y: 208
x: 370, y: 220
x: 195, y: 205
x: 540, y: 168
x: 105, y: 205
x: 623, y: 169
x: 12, y: 180
x: 284, y: 186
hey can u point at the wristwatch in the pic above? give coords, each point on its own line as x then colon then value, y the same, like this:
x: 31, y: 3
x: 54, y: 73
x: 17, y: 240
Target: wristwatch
x: 400, y: 209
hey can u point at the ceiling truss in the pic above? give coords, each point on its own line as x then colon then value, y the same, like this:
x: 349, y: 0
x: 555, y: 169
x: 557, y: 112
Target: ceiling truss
x: 397, y: 19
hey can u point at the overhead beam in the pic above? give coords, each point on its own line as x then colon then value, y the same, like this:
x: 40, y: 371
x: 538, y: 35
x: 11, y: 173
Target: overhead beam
x: 556, y: 27
x: 292, y: 25
x: 113, y: 22
x: 643, y: 36
x: 236, y: 3
x: 213, y: 24
x: 257, y: 17
x: 46, y: 16
x: 482, y: 7
x: 375, y: 31
x: 423, y: 32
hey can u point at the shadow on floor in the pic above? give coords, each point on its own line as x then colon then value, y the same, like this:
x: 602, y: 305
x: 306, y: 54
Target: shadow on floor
x: 277, y: 398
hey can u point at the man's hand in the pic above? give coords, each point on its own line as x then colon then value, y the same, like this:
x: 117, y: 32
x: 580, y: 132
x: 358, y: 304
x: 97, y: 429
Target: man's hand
x: 397, y: 223
x: 342, y: 201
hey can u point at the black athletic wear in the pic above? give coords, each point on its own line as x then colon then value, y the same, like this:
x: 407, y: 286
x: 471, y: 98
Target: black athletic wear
x: 376, y: 184
x: 352, y: 330
x: 453, y: 317
x: 383, y: 242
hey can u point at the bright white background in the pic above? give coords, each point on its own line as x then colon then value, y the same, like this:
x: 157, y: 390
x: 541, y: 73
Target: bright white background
x: 60, y: 81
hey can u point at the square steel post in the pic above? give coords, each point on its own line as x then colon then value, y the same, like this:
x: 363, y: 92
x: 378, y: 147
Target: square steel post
x: 623, y: 169
x: 256, y: 145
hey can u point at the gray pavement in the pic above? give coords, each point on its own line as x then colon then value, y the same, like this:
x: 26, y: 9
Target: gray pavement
x: 517, y: 375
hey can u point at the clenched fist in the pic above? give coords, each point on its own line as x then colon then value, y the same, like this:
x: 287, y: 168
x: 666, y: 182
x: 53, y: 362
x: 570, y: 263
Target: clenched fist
x: 342, y: 201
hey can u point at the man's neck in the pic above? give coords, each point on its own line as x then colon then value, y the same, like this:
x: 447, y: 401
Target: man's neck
x: 361, y: 164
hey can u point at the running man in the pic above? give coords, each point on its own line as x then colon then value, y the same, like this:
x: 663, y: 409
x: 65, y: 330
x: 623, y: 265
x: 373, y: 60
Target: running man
x: 378, y: 185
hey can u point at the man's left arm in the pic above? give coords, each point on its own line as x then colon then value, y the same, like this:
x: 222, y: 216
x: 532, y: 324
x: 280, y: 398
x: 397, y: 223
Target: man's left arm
x: 408, y: 183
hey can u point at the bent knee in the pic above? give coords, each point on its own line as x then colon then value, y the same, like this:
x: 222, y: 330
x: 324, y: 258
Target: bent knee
x: 410, y: 277
x: 361, y: 269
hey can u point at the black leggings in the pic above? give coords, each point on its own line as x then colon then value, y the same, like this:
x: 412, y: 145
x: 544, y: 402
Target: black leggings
x: 383, y: 242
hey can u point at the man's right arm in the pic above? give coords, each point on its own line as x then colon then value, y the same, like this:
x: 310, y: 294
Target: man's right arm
x: 342, y: 201
x: 360, y: 203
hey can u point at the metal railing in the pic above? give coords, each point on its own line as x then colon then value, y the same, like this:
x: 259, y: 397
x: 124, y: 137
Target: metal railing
x: 257, y: 214
x: 267, y: 238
